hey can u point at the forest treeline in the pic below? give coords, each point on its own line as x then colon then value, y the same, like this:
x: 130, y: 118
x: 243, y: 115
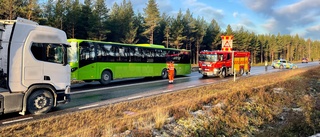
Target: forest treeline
x: 94, y: 19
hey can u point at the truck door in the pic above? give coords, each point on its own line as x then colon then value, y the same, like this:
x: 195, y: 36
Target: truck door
x: 45, y: 65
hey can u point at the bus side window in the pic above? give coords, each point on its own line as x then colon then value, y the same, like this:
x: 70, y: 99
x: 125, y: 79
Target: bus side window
x: 121, y: 51
x: 98, y: 51
x: 131, y: 51
x: 92, y: 53
x: 106, y: 50
x: 158, y: 56
x: 84, y: 51
x: 143, y: 52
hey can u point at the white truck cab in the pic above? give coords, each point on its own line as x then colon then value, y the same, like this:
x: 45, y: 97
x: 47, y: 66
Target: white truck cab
x: 34, y: 73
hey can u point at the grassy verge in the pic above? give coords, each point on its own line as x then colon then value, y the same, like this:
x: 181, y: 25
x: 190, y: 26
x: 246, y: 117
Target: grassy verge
x: 276, y: 104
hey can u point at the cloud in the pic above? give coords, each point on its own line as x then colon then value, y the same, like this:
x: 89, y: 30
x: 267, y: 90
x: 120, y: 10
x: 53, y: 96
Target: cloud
x: 262, y: 6
x: 203, y: 10
x: 313, y: 32
x: 273, y: 26
x: 235, y: 14
x: 165, y: 6
x: 286, y: 18
x: 300, y: 13
x: 247, y: 22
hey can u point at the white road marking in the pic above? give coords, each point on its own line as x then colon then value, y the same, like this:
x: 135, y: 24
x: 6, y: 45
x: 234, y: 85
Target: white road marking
x: 167, y: 91
x: 85, y: 91
x: 134, y: 97
x: 191, y: 86
x: 17, y: 120
x: 90, y: 106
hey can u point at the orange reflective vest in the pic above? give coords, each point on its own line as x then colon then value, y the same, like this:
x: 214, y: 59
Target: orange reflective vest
x: 171, y: 67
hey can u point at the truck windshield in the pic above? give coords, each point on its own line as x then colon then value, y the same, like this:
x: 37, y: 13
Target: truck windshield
x: 49, y: 52
x: 208, y: 57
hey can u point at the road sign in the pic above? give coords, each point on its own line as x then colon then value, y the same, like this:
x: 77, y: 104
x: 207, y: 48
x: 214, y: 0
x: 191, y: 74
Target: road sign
x: 227, y: 43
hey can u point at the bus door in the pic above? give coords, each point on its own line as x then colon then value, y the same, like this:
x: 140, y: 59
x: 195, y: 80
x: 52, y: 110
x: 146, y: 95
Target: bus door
x: 87, y: 58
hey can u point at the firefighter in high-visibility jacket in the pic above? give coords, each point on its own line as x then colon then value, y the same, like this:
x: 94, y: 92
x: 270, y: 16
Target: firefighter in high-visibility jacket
x: 170, y: 71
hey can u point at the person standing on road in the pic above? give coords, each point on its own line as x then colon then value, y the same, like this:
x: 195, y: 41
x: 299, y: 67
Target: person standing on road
x: 266, y: 65
x: 171, y: 71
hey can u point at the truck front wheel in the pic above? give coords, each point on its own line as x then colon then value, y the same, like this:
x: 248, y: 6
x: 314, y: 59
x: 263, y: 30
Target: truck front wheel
x: 40, y: 102
x: 223, y: 73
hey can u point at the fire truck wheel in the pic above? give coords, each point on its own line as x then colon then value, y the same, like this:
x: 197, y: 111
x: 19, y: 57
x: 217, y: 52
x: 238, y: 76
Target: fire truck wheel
x: 40, y: 102
x: 164, y: 74
x: 241, y: 72
x: 204, y: 76
x: 223, y: 73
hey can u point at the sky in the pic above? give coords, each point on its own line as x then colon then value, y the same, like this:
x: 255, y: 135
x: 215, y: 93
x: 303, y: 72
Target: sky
x: 291, y: 17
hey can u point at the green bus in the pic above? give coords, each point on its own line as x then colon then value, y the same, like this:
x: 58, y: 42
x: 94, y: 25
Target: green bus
x: 106, y: 61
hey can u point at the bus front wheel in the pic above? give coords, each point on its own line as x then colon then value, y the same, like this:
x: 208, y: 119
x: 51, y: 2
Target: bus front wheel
x: 105, y: 77
x: 164, y: 74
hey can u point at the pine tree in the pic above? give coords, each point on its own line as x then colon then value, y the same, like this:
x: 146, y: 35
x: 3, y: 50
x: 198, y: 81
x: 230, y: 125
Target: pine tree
x: 100, y: 15
x: 71, y: 23
x: 229, y: 31
x: 201, y: 30
x: 177, y: 29
x: 167, y: 22
x: 122, y: 23
x: 9, y: 9
x: 159, y: 35
x: 49, y: 14
x: 152, y: 17
x: 190, y: 31
x: 59, y: 14
x: 213, y: 36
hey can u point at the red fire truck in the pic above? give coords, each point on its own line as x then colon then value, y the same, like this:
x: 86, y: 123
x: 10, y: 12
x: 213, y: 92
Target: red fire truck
x: 224, y: 62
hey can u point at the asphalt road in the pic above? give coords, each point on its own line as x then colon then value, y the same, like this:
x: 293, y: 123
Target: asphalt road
x: 90, y: 95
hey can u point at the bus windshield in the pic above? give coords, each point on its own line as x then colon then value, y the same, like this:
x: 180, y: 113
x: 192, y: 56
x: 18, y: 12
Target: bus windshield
x: 72, y: 52
x: 208, y: 57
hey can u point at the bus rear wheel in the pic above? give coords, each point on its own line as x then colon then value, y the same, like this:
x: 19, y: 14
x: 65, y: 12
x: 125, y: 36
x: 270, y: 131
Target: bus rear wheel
x: 105, y: 77
x: 164, y: 73
x: 40, y: 102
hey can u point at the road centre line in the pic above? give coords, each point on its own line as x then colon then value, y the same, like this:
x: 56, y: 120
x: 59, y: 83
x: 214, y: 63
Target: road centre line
x: 191, y: 86
x: 134, y: 97
x: 85, y: 91
x: 167, y: 91
x: 90, y: 106
x: 17, y: 120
